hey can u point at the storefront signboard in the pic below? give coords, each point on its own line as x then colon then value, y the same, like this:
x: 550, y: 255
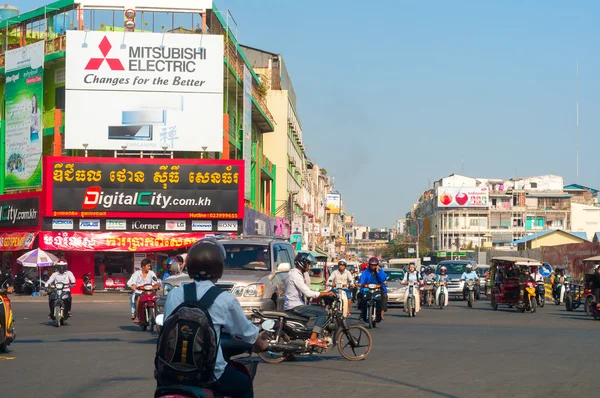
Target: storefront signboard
x: 116, y: 241
x: 115, y: 283
x: 173, y: 189
x: 14, y: 241
x: 17, y: 211
x: 156, y: 92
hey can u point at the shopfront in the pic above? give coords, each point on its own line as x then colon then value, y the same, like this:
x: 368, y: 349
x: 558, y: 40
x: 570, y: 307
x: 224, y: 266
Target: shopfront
x: 20, y: 222
x: 106, y: 216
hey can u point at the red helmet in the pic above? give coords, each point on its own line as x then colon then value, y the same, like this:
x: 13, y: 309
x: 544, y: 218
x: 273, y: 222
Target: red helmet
x: 364, y: 266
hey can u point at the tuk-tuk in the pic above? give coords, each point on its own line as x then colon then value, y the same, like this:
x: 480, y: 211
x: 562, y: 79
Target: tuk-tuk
x: 504, y: 281
x: 582, y: 293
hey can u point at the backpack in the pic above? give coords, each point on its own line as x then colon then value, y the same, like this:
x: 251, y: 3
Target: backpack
x: 188, y: 344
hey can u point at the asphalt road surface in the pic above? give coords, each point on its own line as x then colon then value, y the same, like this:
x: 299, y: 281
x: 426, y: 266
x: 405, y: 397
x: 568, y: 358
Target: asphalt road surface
x: 455, y: 352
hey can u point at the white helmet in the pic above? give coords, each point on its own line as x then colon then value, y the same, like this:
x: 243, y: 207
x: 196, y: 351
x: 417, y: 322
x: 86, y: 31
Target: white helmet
x: 469, y: 267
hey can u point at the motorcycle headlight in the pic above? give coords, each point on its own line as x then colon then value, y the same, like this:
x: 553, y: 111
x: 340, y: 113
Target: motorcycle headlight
x: 167, y: 287
x: 254, y: 290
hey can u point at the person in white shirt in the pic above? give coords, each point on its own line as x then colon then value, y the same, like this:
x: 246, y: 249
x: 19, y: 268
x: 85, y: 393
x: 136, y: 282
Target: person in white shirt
x: 343, y: 280
x: 296, y: 288
x: 61, y: 275
x: 205, y: 262
x: 142, y: 277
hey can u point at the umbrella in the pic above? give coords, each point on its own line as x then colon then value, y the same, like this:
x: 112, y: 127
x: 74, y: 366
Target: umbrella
x: 37, y: 258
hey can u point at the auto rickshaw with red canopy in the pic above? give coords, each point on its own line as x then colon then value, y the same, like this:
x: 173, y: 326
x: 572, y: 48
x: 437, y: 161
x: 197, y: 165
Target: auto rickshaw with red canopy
x: 505, y: 284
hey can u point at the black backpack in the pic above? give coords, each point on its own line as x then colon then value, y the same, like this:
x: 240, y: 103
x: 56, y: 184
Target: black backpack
x: 188, y: 343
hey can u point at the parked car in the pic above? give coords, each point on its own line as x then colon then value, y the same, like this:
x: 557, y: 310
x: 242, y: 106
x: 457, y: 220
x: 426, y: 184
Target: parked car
x: 396, y: 291
x: 255, y: 272
x: 454, y: 270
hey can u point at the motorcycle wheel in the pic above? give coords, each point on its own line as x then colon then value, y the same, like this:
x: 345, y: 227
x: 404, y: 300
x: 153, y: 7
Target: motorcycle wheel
x: 57, y: 316
x: 3, y: 347
x: 344, y: 339
x: 151, y: 314
x: 542, y: 301
x: 493, y: 302
x: 442, y: 301
x: 533, y: 304
x: 409, y: 306
x: 588, y: 301
x: 274, y: 357
x: 569, y: 303
x: 371, y: 313
x: 471, y: 299
x: 596, y: 316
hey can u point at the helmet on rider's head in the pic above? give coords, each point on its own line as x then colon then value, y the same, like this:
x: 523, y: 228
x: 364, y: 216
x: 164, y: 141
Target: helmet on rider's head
x: 469, y: 267
x: 342, y: 262
x: 205, y: 259
x: 373, y: 261
x: 428, y: 270
x: 443, y: 269
x: 61, y: 266
x: 305, y: 261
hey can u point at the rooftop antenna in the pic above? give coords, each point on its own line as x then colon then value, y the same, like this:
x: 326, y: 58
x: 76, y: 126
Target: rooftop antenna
x: 462, y: 166
x: 577, y: 120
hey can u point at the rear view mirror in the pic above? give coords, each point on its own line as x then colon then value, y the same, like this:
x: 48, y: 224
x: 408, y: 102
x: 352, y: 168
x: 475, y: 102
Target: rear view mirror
x: 284, y: 267
x: 160, y: 319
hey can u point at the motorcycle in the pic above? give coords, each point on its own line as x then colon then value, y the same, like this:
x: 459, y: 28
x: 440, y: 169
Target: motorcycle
x: 88, y: 285
x: 594, y: 310
x: 559, y: 293
x: 231, y: 348
x: 7, y: 334
x: 410, y: 301
x: 146, y: 307
x: 428, y: 293
x: 288, y: 334
x: 470, y: 292
x: 59, y: 295
x: 441, y: 295
x: 371, y: 297
x: 23, y: 284
x: 540, y: 294
x: 334, y: 288
x: 529, y: 299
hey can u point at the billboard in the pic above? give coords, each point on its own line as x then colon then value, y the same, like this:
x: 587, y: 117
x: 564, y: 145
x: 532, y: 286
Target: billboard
x: 19, y: 211
x: 247, y: 130
x: 143, y: 188
x: 144, y: 91
x: 379, y: 235
x: 23, y: 96
x: 462, y: 197
x: 333, y: 203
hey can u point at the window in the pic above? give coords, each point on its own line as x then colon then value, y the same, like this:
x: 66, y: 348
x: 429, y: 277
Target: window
x: 533, y: 184
x: 247, y: 257
x: 281, y: 255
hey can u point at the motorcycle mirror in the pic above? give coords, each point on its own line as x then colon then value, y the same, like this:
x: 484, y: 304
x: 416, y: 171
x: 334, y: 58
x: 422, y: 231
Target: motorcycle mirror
x: 160, y: 319
x: 268, y: 325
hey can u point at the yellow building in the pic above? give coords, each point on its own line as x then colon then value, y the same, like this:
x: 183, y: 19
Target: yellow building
x: 554, y: 237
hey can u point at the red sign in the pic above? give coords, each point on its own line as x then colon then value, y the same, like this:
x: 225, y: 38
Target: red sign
x: 113, y: 63
x: 115, y: 283
x: 116, y: 241
x: 13, y: 241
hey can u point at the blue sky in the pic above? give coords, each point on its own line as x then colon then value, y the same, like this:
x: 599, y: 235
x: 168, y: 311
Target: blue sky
x: 395, y: 94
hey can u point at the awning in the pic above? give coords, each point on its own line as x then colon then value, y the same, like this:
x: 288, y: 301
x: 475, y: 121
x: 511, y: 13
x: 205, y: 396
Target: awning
x: 15, y: 241
x: 117, y: 241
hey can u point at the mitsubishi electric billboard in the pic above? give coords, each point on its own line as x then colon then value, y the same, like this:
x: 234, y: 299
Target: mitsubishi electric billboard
x: 144, y: 91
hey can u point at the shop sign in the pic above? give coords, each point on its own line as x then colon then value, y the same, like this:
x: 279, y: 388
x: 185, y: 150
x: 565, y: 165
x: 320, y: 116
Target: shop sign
x: 116, y: 241
x: 175, y: 225
x: 116, y: 225
x: 89, y: 224
x: 115, y: 283
x: 155, y: 91
x: 134, y: 188
x: 142, y: 225
x: 14, y: 241
x: 19, y: 212
x: 224, y: 225
x: 463, y: 197
x: 62, y: 223
x: 202, y: 226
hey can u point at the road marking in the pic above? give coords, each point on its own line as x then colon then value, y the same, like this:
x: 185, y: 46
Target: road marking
x: 7, y: 358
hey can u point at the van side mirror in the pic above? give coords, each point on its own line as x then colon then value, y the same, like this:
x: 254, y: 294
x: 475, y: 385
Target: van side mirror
x: 284, y: 267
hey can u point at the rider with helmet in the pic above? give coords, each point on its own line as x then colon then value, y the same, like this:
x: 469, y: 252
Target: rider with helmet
x: 429, y: 276
x: 523, y: 279
x: 412, y: 277
x: 342, y: 277
x: 61, y: 275
x: 172, y: 267
x: 296, y: 288
x: 470, y: 275
x: 442, y: 279
x: 205, y: 261
x: 373, y: 275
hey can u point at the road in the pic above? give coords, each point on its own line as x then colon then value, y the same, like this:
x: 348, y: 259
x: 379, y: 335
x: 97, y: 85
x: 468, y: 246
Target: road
x: 457, y: 352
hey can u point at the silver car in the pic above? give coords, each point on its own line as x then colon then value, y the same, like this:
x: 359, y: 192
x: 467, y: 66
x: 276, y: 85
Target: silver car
x: 396, y: 291
x: 255, y: 272
x: 454, y: 270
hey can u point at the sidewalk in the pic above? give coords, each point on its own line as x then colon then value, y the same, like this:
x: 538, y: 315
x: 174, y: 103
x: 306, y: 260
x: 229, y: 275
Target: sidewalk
x: 112, y: 297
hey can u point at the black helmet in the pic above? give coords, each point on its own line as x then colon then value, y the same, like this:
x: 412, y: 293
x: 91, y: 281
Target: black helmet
x: 206, y: 259
x: 304, y: 261
x: 428, y: 270
x: 61, y: 266
x: 373, y: 261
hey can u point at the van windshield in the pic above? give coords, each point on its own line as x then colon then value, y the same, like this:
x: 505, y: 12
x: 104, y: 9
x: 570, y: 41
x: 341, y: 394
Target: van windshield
x: 454, y: 268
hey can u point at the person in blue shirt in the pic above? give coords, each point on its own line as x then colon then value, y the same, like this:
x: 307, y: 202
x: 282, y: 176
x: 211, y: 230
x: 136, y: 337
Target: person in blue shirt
x: 441, y: 279
x: 377, y: 276
x: 413, y: 277
x: 468, y: 275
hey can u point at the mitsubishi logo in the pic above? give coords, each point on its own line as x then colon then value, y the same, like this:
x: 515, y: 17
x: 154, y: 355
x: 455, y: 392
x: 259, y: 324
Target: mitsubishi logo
x: 113, y: 63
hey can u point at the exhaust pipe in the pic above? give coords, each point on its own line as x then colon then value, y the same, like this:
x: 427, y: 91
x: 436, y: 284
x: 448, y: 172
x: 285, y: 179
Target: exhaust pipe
x: 291, y: 348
